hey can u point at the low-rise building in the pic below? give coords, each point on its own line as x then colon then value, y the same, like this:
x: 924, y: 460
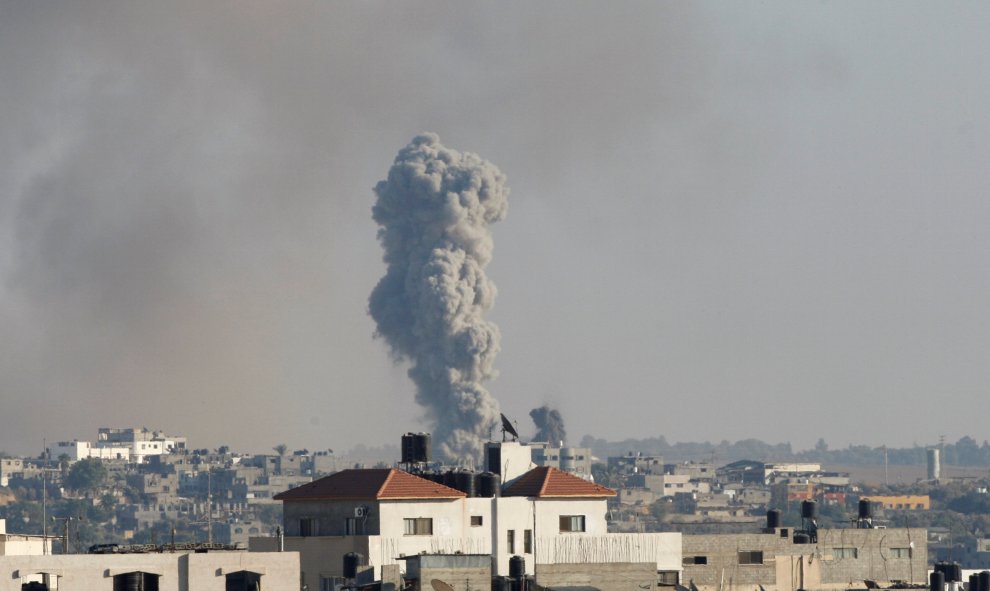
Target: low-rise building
x: 902, y: 502
x: 576, y: 460
x: 667, y: 485
x: 636, y: 463
x: 776, y: 561
x: 10, y: 467
x: 27, y: 562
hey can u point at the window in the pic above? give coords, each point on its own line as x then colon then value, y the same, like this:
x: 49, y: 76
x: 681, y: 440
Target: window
x: 571, y: 523
x: 307, y: 527
x: 845, y: 553
x: 668, y: 577
x: 900, y: 553
x: 476, y: 521
x: 750, y: 557
x: 694, y: 560
x: 350, y: 526
x: 783, y: 532
x: 510, y: 541
x: 528, y: 542
x: 419, y: 526
x: 243, y: 580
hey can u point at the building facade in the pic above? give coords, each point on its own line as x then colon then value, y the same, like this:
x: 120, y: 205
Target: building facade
x: 840, y: 559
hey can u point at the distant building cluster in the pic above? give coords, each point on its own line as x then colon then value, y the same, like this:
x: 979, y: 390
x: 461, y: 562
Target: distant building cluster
x: 537, y: 517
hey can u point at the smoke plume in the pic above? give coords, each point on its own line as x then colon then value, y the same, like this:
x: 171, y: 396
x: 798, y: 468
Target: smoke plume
x: 549, y: 425
x: 434, y: 210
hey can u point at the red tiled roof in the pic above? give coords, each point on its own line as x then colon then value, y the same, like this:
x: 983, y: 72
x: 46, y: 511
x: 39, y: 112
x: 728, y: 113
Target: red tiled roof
x: 551, y: 482
x: 385, y: 483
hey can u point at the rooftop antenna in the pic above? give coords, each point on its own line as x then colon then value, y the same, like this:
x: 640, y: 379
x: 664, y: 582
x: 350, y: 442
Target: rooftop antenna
x: 508, y: 428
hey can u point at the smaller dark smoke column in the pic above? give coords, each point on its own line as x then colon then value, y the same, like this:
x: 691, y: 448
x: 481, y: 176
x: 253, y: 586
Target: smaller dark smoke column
x: 549, y: 425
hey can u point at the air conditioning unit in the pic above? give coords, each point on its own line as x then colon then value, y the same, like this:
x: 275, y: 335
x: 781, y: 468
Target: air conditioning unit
x: 360, y: 511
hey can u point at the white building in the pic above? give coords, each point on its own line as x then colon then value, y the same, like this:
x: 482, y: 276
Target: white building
x: 132, y: 445
x: 81, y: 450
x: 547, y: 516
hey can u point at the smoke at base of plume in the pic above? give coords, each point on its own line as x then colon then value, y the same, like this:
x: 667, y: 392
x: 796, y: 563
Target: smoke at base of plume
x: 549, y: 425
x: 434, y: 211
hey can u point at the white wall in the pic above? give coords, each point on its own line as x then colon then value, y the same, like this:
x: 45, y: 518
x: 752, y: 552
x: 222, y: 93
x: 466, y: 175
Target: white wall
x: 18, y: 545
x: 662, y: 548
x: 448, y: 516
x: 76, y: 450
x: 517, y: 514
x: 548, y: 512
x: 516, y: 459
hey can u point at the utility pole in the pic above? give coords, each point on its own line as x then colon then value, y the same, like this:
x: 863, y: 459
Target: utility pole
x: 886, y: 482
x: 44, y: 497
x: 209, y: 506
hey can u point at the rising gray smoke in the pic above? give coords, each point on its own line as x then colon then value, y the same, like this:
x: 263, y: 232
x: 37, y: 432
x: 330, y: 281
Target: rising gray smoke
x: 549, y: 425
x: 434, y: 210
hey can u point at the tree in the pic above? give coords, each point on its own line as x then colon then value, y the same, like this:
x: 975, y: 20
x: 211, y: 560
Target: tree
x: 281, y: 448
x: 660, y: 509
x: 86, y: 474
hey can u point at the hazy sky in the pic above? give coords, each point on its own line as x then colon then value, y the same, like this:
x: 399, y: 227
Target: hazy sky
x: 726, y: 220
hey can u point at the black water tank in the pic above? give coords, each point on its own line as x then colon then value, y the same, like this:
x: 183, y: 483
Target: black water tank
x: 773, y: 519
x: 936, y: 582
x: 450, y: 479
x: 802, y: 538
x: 433, y: 477
x: 517, y: 567
x: 416, y: 448
x: 985, y: 580
x: 953, y: 573
x: 950, y: 570
x: 466, y: 482
x: 128, y: 582
x: 424, y: 447
x: 408, y: 451
x: 865, y: 509
x: 352, y: 560
x: 974, y: 582
x: 501, y: 584
x: 488, y: 485
x: 809, y: 509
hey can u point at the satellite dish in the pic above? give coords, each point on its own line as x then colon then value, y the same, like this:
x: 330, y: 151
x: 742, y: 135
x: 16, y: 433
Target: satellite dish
x: 439, y: 585
x: 508, y: 428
